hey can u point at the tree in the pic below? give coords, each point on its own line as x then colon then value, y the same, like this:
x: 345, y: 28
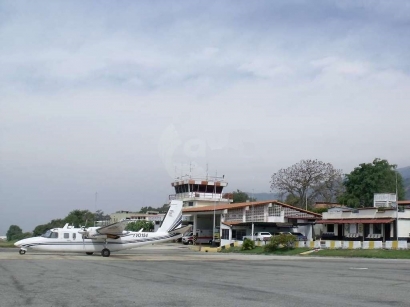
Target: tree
x: 162, y: 209
x: 370, y: 178
x: 308, y: 181
x: 100, y: 216
x: 137, y: 225
x: 16, y: 233
x: 40, y: 229
x: 240, y: 197
x: 80, y: 218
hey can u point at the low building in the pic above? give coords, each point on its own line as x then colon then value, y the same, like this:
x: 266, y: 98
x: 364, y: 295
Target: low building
x: 373, y: 223
x: 236, y: 220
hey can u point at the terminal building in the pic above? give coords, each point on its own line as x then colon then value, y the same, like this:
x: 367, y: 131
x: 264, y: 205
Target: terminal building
x: 237, y: 220
x: 206, y: 209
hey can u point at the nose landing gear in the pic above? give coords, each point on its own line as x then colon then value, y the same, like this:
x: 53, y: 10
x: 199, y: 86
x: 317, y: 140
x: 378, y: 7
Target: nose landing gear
x: 22, y: 251
x: 105, y: 252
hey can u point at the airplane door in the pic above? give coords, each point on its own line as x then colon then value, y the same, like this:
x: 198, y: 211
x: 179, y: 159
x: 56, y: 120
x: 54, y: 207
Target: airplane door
x: 67, y: 239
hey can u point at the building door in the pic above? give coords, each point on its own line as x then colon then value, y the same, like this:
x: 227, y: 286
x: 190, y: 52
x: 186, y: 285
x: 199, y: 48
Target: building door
x: 387, y: 229
x: 366, y: 230
x: 340, y: 231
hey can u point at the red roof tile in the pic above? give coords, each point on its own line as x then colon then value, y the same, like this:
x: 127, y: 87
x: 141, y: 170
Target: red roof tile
x: 242, y: 205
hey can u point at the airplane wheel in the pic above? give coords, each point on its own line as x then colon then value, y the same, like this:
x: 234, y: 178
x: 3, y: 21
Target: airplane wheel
x: 89, y: 253
x: 105, y: 252
x: 22, y: 251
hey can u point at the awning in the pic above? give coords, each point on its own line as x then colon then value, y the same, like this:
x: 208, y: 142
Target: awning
x: 265, y: 224
x: 356, y: 221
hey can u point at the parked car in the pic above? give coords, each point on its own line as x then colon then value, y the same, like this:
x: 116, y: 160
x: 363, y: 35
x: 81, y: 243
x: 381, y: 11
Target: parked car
x: 299, y: 236
x: 188, y: 238
x: 259, y: 236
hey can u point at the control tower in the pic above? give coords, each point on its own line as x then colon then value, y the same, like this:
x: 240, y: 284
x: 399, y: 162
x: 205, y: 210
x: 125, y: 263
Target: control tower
x: 195, y: 192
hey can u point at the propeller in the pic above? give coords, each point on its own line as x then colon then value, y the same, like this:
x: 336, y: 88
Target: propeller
x: 83, y: 232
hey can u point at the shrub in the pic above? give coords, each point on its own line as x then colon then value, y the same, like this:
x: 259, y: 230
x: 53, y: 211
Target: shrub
x: 248, y: 244
x: 285, y: 241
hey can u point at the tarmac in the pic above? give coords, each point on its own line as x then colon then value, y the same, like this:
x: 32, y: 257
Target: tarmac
x: 175, y: 275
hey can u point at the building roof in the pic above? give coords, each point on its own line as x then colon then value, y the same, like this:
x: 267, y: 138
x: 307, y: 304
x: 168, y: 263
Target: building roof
x: 237, y: 223
x: 242, y: 205
x: 216, y: 183
x: 357, y: 221
x: 404, y: 202
x: 326, y: 205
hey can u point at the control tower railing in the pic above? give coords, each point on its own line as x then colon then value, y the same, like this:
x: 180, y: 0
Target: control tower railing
x: 195, y: 195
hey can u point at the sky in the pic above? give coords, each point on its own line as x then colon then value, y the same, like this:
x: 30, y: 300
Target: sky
x: 104, y: 103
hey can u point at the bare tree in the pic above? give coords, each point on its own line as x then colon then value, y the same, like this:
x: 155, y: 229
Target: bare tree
x: 307, y: 181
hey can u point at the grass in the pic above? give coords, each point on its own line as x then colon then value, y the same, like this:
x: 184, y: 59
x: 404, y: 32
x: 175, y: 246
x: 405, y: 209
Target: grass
x: 7, y: 244
x: 348, y: 253
x: 363, y: 253
x: 259, y: 251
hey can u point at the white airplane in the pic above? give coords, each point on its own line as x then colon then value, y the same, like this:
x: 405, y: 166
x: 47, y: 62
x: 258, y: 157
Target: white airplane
x: 105, y: 239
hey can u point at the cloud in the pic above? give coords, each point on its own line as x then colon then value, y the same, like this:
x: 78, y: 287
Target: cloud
x: 120, y: 98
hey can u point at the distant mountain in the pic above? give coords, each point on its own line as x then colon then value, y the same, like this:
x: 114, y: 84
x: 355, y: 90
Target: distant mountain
x: 264, y: 196
x: 405, y: 173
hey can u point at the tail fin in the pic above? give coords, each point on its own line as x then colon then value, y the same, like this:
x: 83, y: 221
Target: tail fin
x: 173, y: 218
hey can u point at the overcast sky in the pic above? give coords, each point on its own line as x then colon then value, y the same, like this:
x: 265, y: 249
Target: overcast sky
x: 119, y: 97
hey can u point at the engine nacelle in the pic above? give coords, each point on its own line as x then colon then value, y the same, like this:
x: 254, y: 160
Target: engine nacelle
x: 93, y: 234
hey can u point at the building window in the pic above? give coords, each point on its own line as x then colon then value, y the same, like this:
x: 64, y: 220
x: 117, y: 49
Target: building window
x: 190, y: 204
x: 234, y: 215
x: 275, y: 210
x: 66, y: 236
x: 330, y: 227
x: 225, y: 234
x: 290, y: 212
x: 255, y: 214
x: 238, y: 234
x: 377, y: 229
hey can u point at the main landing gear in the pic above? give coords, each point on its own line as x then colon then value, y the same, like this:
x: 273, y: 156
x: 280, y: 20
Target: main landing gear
x: 22, y: 251
x: 105, y: 252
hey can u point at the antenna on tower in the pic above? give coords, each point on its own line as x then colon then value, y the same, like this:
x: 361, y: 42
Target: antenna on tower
x: 207, y: 171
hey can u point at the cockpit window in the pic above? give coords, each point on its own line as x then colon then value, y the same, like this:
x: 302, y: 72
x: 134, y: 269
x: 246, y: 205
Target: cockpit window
x: 54, y: 235
x: 46, y: 234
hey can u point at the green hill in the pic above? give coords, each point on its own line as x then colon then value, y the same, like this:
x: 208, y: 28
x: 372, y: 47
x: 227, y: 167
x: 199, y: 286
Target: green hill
x: 405, y: 173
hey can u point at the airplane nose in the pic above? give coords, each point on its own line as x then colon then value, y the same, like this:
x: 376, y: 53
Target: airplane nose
x: 17, y: 244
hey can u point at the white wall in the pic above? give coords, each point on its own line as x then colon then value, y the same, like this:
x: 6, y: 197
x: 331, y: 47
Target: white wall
x: 404, y: 228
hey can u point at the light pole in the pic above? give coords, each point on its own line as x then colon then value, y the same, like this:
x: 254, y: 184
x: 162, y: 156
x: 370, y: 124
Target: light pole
x: 397, y: 212
x: 213, y: 228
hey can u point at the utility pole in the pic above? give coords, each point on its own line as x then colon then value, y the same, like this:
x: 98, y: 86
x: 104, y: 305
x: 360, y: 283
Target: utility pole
x: 397, y: 211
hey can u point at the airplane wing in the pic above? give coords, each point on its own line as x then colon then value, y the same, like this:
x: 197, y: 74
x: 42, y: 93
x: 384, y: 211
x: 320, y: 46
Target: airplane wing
x: 182, y: 230
x: 113, y: 229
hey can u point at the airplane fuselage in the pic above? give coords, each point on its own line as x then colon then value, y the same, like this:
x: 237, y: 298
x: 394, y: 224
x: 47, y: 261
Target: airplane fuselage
x: 71, y: 240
